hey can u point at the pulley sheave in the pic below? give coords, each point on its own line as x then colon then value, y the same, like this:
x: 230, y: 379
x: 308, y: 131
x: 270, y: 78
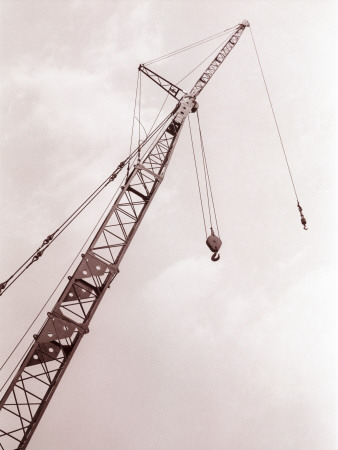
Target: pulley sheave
x: 214, y: 243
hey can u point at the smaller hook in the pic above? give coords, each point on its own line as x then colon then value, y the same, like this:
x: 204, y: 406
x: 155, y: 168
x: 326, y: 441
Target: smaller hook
x: 302, y: 218
x: 215, y: 257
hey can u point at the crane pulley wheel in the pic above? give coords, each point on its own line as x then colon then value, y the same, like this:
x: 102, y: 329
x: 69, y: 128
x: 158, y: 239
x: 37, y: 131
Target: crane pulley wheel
x: 214, y: 243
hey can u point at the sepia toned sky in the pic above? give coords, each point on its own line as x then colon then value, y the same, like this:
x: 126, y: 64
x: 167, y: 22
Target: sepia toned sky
x: 183, y: 353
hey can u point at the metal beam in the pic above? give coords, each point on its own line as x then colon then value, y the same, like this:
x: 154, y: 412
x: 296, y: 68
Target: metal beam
x: 35, y: 382
x: 169, y: 87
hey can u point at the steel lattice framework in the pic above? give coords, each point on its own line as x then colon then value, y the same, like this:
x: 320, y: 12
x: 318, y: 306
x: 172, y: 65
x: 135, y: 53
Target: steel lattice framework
x: 171, y: 88
x: 54, y: 346
x: 35, y: 382
x: 209, y: 72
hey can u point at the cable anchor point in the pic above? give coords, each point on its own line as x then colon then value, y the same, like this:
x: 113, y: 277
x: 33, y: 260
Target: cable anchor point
x: 3, y: 286
x: 37, y: 255
x: 302, y: 218
x: 48, y: 239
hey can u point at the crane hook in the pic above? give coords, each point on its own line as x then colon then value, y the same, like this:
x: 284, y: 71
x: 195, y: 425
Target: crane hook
x: 215, y: 257
x: 302, y: 218
x: 214, y: 243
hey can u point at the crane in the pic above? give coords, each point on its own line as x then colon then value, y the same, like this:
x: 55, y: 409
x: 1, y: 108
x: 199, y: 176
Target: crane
x: 46, y: 361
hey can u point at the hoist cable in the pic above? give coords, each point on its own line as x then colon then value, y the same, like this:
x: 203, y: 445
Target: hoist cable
x: 303, y: 220
x: 274, y: 115
x: 198, y: 180
x: 207, y: 190
x: 189, y: 47
x: 207, y: 176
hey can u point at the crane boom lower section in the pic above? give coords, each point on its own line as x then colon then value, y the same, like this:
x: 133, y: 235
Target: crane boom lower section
x: 34, y: 384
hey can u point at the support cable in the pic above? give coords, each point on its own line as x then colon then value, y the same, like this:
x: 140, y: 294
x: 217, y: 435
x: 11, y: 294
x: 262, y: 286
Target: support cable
x: 52, y: 237
x: 18, y: 364
x: 198, y: 181
x: 189, y: 47
x: 303, y: 220
x: 132, y: 128
x: 165, y: 100
x: 139, y: 122
x: 65, y: 274
x: 51, y: 295
x: 198, y: 65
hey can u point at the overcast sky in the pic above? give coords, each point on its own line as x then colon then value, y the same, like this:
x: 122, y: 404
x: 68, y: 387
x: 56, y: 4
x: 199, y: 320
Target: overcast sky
x: 183, y: 353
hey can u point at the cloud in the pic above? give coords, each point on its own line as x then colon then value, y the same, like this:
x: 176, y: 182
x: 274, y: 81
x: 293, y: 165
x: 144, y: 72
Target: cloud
x: 269, y: 359
x: 66, y: 102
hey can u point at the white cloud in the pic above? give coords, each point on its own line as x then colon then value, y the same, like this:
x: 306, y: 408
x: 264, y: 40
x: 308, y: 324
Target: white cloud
x: 272, y: 356
x: 72, y: 103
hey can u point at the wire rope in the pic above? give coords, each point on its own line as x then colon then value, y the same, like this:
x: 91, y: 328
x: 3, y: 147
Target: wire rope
x: 300, y: 209
x: 74, y: 215
x: 139, y: 121
x: 188, y: 47
x: 15, y: 368
x: 158, y: 128
x: 132, y: 128
x: 55, y: 289
x: 71, y: 218
x: 145, y: 132
x: 198, y: 181
x: 207, y: 176
x: 198, y: 65
x: 165, y: 100
x: 51, y: 238
x: 274, y: 115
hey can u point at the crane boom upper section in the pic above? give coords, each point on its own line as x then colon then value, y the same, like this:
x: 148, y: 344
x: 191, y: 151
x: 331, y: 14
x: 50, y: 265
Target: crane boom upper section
x: 217, y: 61
x: 177, y: 92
